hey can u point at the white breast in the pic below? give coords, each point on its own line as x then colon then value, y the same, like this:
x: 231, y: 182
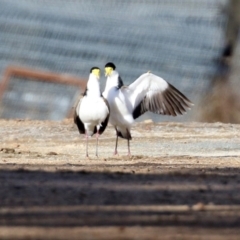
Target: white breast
x: 121, y: 110
x: 93, y: 110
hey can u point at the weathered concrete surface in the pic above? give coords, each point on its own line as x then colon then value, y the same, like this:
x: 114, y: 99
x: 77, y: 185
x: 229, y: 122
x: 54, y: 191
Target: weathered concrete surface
x: 182, y: 182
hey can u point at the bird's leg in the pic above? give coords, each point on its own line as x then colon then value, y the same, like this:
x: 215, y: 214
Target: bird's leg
x: 116, y: 152
x: 86, y: 135
x: 129, y: 152
x: 97, y: 136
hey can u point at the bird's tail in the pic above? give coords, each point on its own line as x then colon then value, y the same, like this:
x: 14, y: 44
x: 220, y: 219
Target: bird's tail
x: 124, y: 134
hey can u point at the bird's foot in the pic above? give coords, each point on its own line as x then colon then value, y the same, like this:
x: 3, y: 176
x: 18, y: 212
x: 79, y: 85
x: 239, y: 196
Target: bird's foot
x: 115, y: 153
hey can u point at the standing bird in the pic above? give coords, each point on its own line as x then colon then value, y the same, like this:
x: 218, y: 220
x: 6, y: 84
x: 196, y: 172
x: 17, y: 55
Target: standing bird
x: 92, y: 111
x: 147, y: 93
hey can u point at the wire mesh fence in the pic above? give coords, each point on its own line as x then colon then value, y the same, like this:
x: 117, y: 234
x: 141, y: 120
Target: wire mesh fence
x: 179, y: 40
x: 39, y: 100
x: 38, y: 95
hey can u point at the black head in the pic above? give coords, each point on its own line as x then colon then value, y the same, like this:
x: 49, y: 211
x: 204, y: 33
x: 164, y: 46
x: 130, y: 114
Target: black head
x: 94, y: 68
x: 111, y: 65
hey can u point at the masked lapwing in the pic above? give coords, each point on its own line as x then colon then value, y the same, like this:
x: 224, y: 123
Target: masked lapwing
x: 92, y: 111
x: 147, y: 93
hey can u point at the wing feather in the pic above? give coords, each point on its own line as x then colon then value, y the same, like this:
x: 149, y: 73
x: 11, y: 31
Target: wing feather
x: 178, y: 102
x: 105, y: 122
x: 178, y: 106
x: 152, y: 93
x: 180, y: 97
x: 76, y: 118
x: 170, y: 104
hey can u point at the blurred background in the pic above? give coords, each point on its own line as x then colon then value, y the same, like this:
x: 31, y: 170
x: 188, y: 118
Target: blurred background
x: 47, y: 48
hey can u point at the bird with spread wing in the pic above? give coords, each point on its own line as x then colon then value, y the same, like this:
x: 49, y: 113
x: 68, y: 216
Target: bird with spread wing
x: 147, y: 93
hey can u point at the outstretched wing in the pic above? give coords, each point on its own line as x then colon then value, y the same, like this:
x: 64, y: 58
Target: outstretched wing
x: 152, y: 93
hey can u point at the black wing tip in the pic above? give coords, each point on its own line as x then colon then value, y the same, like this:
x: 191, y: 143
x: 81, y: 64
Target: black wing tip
x: 170, y: 102
x: 105, y: 122
x: 170, y: 86
x: 104, y: 125
x: 79, y: 124
x: 138, y: 111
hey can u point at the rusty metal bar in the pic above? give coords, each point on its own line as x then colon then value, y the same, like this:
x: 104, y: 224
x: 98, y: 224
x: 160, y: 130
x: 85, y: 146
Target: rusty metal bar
x: 38, y: 75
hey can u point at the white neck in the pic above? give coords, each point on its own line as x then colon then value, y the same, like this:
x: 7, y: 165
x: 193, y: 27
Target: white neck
x: 112, y: 81
x: 93, y: 86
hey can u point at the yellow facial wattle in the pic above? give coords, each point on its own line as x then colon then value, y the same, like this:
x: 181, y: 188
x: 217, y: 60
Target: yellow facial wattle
x: 96, y: 72
x: 108, y: 71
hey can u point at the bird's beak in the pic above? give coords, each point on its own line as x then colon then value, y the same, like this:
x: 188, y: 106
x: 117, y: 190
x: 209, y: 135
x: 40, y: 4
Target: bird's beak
x: 108, y: 71
x: 96, y: 72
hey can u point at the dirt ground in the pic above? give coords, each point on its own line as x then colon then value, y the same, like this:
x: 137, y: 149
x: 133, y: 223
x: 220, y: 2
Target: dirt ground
x: 182, y: 182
